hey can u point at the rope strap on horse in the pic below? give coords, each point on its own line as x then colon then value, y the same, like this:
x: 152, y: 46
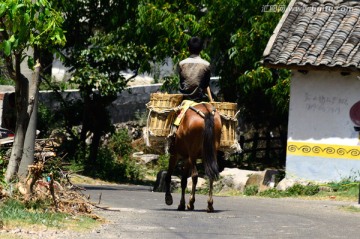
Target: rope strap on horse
x: 202, y: 113
x: 197, y: 111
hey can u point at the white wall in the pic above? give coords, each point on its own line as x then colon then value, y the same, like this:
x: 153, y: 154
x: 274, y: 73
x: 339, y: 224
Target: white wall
x: 322, y: 142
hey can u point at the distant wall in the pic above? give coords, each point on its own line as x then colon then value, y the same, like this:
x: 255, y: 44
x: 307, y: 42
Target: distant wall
x: 130, y: 102
x: 323, y: 144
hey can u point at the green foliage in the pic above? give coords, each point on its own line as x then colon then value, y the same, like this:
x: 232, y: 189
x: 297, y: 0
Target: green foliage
x: 301, y: 190
x: 58, y: 86
x: 99, y: 51
x: 347, y: 187
x: 165, y: 27
x: 114, y: 161
x: 296, y: 190
x: 26, y: 23
x: 251, y: 190
x: 120, y: 143
x: 46, y: 121
x: 106, y: 166
x: 163, y: 162
x: 265, y: 96
x: 342, y: 186
x: 111, y: 168
x: 103, y: 47
x: 99, y: 67
x: 54, y: 167
x: 35, y: 212
x: 272, y: 193
x: 4, y: 160
x: 170, y: 84
x: 6, y: 81
x: 133, y: 171
x: 3, y: 164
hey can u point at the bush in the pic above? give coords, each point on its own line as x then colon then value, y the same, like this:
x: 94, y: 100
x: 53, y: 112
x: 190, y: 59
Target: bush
x: 46, y: 121
x: 106, y: 167
x: 300, y: 190
x: 343, y: 185
x: 120, y: 143
x: 272, y: 193
x: 163, y: 162
x: 111, y: 167
x: 251, y: 190
x: 133, y: 171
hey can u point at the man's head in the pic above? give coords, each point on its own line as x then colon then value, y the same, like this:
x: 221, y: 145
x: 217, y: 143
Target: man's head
x: 195, y: 45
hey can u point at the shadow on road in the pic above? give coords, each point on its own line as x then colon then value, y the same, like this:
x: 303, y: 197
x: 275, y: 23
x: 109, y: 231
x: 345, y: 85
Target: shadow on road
x: 117, y: 188
x: 195, y: 211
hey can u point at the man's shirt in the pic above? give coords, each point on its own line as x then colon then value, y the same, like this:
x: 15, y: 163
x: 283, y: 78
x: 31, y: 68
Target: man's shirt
x: 194, y: 76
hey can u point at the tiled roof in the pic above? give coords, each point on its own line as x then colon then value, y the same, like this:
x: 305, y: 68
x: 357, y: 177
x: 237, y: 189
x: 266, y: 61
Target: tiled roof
x: 324, y: 33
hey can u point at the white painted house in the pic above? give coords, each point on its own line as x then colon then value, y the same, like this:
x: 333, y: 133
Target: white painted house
x: 319, y: 40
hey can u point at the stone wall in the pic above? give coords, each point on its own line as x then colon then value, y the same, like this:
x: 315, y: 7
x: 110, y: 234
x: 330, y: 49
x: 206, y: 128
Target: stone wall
x: 129, y: 103
x: 132, y: 102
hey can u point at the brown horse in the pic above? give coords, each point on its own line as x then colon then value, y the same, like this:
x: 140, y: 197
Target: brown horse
x: 197, y: 137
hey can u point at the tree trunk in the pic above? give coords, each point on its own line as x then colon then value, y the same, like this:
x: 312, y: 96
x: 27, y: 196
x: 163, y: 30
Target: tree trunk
x: 94, y: 149
x: 29, y: 143
x: 24, y: 107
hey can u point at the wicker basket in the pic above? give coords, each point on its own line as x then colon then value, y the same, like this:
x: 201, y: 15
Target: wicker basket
x: 229, y: 122
x: 161, y: 117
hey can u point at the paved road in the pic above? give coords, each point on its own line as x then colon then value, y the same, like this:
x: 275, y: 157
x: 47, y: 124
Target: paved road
x: 143, y: 214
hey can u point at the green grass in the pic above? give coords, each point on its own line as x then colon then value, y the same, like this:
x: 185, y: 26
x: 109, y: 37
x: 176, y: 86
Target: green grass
x: 14, y: 213
x: 344, y: 190
x: 351, y: 209
x: 341, y: 191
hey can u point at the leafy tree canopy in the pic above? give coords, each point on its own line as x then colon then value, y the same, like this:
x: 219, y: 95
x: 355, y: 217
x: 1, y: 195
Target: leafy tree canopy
x: 235, y: 34
x: 27, y: 23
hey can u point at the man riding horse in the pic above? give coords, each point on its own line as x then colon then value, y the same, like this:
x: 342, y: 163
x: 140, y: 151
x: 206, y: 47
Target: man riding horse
x: 198, y: 135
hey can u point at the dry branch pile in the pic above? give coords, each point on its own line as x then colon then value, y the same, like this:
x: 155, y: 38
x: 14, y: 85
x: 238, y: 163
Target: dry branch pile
x: 58, y: 193
x: 64, y: 197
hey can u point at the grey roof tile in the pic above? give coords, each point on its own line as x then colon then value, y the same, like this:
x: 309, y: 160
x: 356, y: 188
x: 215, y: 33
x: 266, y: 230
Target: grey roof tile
x: 317, y: 33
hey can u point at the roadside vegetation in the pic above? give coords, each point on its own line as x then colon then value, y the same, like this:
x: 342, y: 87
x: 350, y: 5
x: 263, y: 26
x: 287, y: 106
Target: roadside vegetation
x: 344, y: 190
x: 15, y: 213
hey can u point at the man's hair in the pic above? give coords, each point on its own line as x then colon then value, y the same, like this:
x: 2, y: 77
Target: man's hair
x: 195, y: 45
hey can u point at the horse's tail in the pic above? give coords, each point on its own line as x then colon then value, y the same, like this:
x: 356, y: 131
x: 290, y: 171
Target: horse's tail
x: 209, y: 152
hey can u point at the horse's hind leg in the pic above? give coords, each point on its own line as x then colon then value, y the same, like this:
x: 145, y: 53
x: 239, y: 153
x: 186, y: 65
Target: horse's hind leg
x: 194, y: 177
x: 181, y: 206
x: 184, y: 177
x: 172, y: 164
x: 210, y: 207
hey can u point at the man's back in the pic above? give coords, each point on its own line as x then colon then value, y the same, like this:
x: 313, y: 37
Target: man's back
x: 194, y: 72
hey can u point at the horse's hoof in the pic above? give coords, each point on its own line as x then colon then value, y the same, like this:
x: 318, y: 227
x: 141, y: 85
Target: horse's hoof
x: 210, y: 209
x: 168, y: 200
x: 190, y: 207
x: 181, y: 207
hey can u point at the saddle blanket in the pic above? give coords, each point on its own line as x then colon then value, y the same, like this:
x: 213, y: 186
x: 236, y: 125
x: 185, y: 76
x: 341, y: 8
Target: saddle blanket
x: 184, y: 107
